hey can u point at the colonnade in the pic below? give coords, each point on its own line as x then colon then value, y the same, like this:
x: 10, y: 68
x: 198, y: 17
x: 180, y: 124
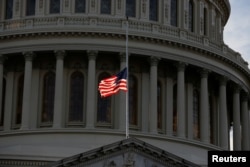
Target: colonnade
x: 184, y: 102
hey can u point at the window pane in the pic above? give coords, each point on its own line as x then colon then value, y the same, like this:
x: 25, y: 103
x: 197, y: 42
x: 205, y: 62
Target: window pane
x: 130, y: 8
x: 104, y: 104
x: 48, y: 97
x: 9, y: 9
x: 205, y: 22
x: 54, y: 6
x: 19, y: 100
x: 153, y: 13
x: 76, y: 97
x: 196, y: 113
x: 159, y: 108
x: 106, y: 7
x: 190, y: 16
x: 174, y: 13
x: 30, y: 7
x: 175, y: 109
x: 133, y: 89
x: 80, y: 6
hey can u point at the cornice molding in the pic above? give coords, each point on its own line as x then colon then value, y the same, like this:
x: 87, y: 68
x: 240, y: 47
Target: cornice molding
x: 177, y: 44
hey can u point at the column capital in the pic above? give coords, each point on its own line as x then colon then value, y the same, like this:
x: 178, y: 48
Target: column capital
x: 154, y: 60
x: 122, y: 56
x: 181, y: 66
x: 2, y: 58
x: 204, y: 73
x: 223, y: 80
x: 28, y: 56
x: 237, y: 88
x: 245, y: 96
x: 60, y: 54
x: 92, y: 54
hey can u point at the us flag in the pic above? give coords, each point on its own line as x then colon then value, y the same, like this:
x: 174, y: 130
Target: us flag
x: 113, y: 84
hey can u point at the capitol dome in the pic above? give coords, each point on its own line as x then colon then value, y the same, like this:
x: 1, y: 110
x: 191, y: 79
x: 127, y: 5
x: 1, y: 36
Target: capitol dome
x: 187, y: 88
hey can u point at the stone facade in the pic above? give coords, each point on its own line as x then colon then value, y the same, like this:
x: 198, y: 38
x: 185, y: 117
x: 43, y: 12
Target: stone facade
x: 187, y: 87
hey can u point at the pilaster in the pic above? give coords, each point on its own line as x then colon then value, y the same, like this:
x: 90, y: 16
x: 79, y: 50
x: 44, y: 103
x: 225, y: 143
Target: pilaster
x: 40, y: 7
x: 17, y: 6
x: 119, y: 7
x: 190, y: 111
x: 67, y: 6
x: 169, y: 103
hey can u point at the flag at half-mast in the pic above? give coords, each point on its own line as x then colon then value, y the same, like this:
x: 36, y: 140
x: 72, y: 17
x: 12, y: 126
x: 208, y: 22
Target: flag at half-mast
x: 113, y: 84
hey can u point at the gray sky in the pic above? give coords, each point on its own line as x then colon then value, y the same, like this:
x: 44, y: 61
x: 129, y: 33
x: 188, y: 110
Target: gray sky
x: 237, y: 29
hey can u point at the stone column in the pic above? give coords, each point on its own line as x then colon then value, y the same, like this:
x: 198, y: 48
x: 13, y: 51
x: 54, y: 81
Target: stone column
x: 1, y: 85
x: 153, y: 95
x: 58, y: 105
x: 122, y: 97
x: 91, y: 89
x: 223, y: 124
x: 181, y: 100
x: 27, y: 90
x: 204, y: 108
x: 2, y: 10
x: 8, y: 100
x: 236, y: 119
x: 245, y: 122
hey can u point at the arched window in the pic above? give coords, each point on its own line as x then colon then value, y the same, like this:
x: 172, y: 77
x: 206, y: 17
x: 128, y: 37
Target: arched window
x: 30, y: 7
x: 191, y: 16
x: 80, y: 6
x: 105, y: 6
x: 76, y: 97
x: 133, y: 99
x: 104, y: 113
x: 130, y: 8
x: 196, y: 113
x: 153, y: 10
x: 175, y: 109
x: 174, y: 9
x: 48, y: 97
x: 54, y: 6
x: 159, y: 105
x: 18, y: 118
x: 3, y: 102
x: 9, y: 9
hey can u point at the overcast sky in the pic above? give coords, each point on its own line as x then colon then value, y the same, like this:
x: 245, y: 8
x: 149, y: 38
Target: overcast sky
x: 237, y: 29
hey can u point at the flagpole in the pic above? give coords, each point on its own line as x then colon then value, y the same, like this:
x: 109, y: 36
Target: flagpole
x: 127, y: 94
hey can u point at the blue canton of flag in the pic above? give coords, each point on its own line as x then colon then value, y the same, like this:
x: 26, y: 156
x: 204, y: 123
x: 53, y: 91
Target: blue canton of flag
x: 113, y: 84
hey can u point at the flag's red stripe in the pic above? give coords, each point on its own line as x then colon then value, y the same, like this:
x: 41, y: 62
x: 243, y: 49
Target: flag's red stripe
x: 110, y: 86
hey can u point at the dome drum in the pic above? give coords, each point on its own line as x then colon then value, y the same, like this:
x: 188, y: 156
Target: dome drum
x: 187, y: 88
